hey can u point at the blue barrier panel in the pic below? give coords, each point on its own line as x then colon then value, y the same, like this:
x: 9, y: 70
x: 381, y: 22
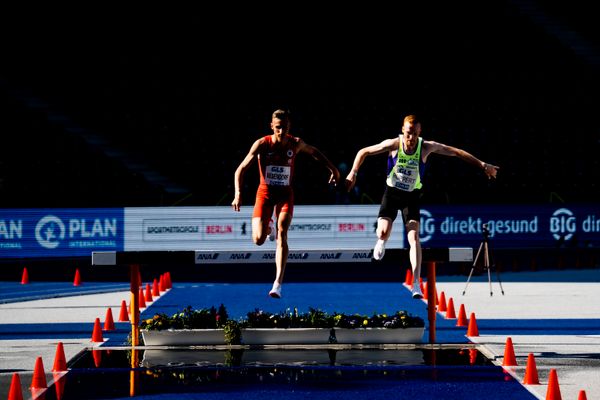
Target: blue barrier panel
x: 60, y: 232
x: 512, y: 226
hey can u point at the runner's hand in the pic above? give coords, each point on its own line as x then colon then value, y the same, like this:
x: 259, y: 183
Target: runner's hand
x: 351, y: 180
x: 335, y: 177
x: 237, y: 202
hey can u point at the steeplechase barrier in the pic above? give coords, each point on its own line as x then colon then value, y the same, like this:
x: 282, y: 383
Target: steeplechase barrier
x: 135, y: 259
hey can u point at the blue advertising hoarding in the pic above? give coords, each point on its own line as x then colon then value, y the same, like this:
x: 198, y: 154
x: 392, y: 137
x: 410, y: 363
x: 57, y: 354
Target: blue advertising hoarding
x: 40, y: 233
x: 525, y: 226
x: 30, y: 233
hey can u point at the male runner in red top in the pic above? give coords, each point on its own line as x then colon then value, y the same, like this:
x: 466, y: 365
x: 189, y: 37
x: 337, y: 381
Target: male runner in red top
x: 276, y: 154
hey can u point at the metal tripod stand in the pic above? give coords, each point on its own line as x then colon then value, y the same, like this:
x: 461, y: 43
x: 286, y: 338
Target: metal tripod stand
x: 484, y: 246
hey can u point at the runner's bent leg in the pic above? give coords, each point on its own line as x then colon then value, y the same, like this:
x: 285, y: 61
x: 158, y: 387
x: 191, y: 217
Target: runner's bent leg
x: 384, y: 228
x: 259, y: 230
x: 284, y: 221
x: 415, y: 255
x: 260, y: 220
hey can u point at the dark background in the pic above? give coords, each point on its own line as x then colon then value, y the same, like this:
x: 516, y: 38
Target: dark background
x: 157, y: 107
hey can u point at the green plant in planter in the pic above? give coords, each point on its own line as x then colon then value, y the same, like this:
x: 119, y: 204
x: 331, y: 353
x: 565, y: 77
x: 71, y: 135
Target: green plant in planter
x: 400, y: 319
x: 204, y: 318
x: 232, y: 332
x: 212, y: 318
x: 314, y: 318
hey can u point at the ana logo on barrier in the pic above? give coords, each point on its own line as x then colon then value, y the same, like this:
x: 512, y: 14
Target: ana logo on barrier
x: 240, y: 256
x: 210, y: 256
x: 49, y: 231
x: 362, y: 255
x: 297, y: 256
x: 330, y: 256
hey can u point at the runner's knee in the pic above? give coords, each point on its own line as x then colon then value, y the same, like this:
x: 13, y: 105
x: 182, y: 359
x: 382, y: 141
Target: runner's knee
x: 282, y: 235
x: 258, y: 240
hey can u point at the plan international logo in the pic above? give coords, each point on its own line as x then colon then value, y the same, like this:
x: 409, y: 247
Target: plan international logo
x: 51, y: 231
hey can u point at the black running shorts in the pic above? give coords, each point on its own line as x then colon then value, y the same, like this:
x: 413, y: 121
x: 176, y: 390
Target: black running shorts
x: 395, y: 199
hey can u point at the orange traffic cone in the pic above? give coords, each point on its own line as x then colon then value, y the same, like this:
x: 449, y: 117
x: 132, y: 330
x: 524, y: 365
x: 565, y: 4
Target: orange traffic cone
x: 409, y: 277
x: 148, y: 292
x: 109, y: 323
x: 142, y: 299
x: 97, y: 332
x: 424, y: 290
x: 166, y: 280
x: 25, y: 277
x: 60, y: 362
x: 509, y: 354
x: 581, y: 395
x: 442, y: 302
x: 531, y: 374
x: 169, y: 282
x: 553, y: 392
x: 472, y: 330
x: 155, y: 290
x: 161, y: 283
x: 462, y: 316
x: 39, y: 376
x: 15, y: 392
x: 77, y: 280
x: 123, y: 315
x: 450, y: 313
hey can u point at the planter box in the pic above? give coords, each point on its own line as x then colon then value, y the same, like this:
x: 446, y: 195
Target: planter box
x: 253, y: 336
x: 379, y: 335
x: 184, y: 337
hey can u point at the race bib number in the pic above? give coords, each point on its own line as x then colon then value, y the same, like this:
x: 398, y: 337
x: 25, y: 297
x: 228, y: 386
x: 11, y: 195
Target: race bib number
x: 277, y: 175
x: 403, y: 179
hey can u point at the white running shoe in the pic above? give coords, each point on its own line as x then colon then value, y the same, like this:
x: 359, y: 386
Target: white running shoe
x: 416, y: 291
x: 273, y: 232
x: 276, y: 290
x: 379, y: 249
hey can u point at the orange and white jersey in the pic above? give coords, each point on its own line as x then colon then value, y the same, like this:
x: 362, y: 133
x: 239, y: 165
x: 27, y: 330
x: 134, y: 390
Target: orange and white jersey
x: 276, y: 161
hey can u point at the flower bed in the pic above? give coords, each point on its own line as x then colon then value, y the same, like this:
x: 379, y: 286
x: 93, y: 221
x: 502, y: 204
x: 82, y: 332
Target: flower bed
x: 206, y: 326
x: 213, y: 327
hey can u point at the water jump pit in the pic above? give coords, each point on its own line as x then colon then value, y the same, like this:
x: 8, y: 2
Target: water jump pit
x: 263, y: 372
